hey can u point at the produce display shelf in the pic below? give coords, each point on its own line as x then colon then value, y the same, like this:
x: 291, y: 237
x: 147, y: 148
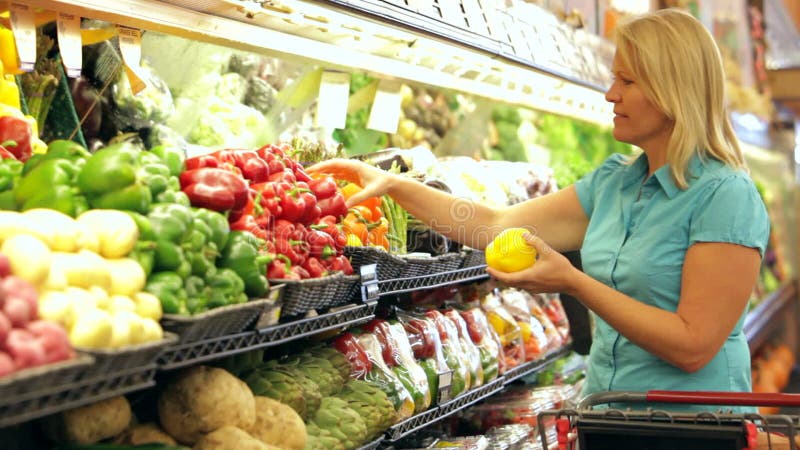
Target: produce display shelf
x: 531, y: 367
x: 87, y: 390
x: 431, y: 281
x: 372, y: 445
x: 435, y: 414
x: 187, y: 354
x: 760, y: 323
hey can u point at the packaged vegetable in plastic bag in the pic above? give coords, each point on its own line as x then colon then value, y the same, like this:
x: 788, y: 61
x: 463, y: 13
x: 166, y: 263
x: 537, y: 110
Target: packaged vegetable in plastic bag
x: 534, y: 338
x: 507, y: 330
x: 383, y: 377
x: 453, y: 353
x: 397, y: 355
x: 552, y: 306
x: 471, y: 353
x: 151, y: 105
x: 349, y: 346
x: 424, y: 341
x: 486, y: 340
x: 554, y: 337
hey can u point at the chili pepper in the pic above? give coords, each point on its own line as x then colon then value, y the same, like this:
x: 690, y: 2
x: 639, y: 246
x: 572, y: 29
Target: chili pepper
x: 321, y: 244
x: 348, y: 345
x: 333, y: 206
x: 216, y: 189
x: 172, y: 157
x: 241, y: 255
x: 323, y: 187
x: 168, y: 287
x: 15, y: 134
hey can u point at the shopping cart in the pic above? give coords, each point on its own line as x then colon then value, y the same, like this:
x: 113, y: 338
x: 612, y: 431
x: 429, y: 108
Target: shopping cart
x: 587, y: 428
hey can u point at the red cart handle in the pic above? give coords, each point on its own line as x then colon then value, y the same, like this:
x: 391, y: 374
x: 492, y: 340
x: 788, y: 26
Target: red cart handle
x: 693, y: 397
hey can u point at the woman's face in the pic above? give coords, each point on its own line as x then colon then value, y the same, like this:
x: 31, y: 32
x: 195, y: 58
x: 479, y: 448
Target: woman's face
x: 637, y: 121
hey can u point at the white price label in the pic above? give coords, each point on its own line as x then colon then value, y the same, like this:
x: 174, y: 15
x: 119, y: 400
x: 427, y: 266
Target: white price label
x: 334, y: 91
x: 385, y: 113
x: 24, y: 28
x: 69, y: 43
x: 130, y: 45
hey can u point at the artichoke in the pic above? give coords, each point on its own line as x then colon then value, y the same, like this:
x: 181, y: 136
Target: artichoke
x: 371, y: 404
x: 278, y: 385
x: 327, y: 377
x: 335, y: 416
x: 337, y: 360
x: 319, y: 439
x: 310, y: 386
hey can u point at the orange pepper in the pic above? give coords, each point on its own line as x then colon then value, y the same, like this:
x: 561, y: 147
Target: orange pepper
x: 373, y: 203
x: 377, y: 235
x: 353, y: 225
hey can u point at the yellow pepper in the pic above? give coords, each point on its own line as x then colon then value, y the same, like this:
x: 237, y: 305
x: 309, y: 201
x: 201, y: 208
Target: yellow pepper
x: 8, y: 52
x: 509, y: 252
x: 9, y: 92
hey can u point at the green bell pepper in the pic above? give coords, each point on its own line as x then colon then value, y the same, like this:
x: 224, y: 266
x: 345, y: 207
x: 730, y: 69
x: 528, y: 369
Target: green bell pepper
x: 168, y: 287
x: 196, y: 294
x: 172, y: 157
x: 241, y: 255
x: 7, y: 202
x: 169, y: 256
x: 173, y: 196
x: 225, y: 288
x: 171, y: 222
x: 217, y: 223
x: 121, y: 176
x: 50, y: 185
x: 10, y: 171
x: 59, y: 149
x: 146, y: 232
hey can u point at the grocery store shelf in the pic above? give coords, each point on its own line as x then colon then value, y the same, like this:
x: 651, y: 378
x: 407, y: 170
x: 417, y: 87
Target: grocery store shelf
x: 94, y: 387
x: 190, y: 353
x: 437, y: 413
x: 344, y: 40
x: 763, y: 320
x: 433, y: 280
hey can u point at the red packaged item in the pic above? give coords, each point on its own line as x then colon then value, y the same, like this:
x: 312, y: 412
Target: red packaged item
x: 424, y: 342
x: 471, y: 353
x: 351, y: 348
x: 453, y: 353
x: 487, y: 341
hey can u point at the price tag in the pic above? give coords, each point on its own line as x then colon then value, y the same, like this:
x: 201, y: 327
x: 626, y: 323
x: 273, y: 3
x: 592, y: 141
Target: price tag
x: 385, y: 113
x: 370, y: 291
x: 69, y: 43
x: 445, y: 381
x: 451, y: 12
x: 334, y: 91
x: 130, y: 45
x: 24, y: 28
x: 472, y: 9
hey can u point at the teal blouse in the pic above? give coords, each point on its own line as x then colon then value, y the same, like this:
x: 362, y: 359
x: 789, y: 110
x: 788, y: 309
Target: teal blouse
x: 639, y: 231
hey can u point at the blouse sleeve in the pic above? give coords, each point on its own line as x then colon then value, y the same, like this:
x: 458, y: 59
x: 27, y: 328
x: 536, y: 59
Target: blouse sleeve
x: 588, y: 186
x: 734, y: 213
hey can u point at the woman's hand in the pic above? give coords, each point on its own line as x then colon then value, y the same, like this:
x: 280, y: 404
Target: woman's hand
x: 374, y: 181
x: 552, y: 271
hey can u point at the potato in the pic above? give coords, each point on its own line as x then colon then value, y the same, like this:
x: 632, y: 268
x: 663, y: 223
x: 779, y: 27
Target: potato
x: 202, y: 399
x: 91, y: 423
x: 230, y: 438
x: 148, y: 433
x: 278, y: 424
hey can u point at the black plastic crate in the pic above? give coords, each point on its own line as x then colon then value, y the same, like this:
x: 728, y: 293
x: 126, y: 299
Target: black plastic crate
x: 43, y: 379
x: 108, y: 361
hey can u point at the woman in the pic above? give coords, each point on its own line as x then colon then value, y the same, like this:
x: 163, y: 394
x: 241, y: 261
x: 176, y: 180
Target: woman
x: 671, y: 241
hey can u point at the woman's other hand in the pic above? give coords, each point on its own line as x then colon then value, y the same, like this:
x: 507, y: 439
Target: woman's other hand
x: 374, y: 181
x: 552, y: 271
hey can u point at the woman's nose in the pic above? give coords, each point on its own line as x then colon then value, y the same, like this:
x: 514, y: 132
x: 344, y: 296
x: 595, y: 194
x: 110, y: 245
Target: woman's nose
x: 612, y: 95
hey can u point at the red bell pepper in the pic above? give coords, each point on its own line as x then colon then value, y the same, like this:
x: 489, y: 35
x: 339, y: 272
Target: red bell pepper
x: 323, y: 187
x: 16, y: 134
x: 267, y: 198
x: 333, y: 206
x: 312, y: 211
x: 340, y: 263
x: 422, y: 336
x: 315, y: 268
x: 321, y: 244
x: 4, y: 153
x: 251, y: 165
x: 389, y: 348
x: 280, y: 269
x: 300, y: 272
x: 329, y: 226
x: 354, y: 352
x: 285, y: 175
x: 200, y: 161
x: 214, y: 188
x: 292, y: 204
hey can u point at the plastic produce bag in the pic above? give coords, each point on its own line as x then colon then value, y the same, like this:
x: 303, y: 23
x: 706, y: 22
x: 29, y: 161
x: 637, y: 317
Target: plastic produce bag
x: 471, y: 353
x: 453, y: 353
x: 552, y: 306
x: 398, y: 356
x: 383, y: 377
x: 507, y: 330
x: 152, y: 105
x: 486, y: 340
x: 534, y: 338
x: 424, y: 341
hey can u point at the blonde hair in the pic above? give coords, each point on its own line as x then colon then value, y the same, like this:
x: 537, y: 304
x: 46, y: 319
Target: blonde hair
x: 678, y: 65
